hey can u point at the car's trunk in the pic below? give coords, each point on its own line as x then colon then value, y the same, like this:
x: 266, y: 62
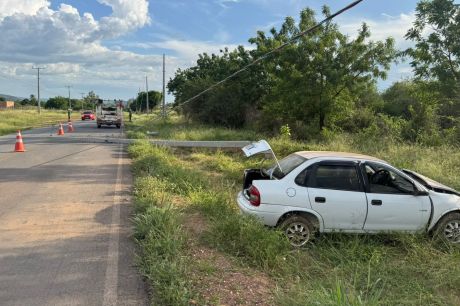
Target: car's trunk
x: 251, y: 175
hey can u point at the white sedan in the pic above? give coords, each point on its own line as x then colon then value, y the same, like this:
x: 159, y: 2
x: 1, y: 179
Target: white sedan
x: 310, y: 192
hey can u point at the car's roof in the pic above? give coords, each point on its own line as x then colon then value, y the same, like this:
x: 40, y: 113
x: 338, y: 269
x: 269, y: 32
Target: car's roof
x: 317, y: 154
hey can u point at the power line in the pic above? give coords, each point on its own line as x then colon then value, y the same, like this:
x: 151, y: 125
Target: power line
x: 38, y: 87
x: 256, y: 61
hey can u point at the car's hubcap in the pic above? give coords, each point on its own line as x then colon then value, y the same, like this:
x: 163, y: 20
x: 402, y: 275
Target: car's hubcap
x: 452, y: 231
x: 298, y: 234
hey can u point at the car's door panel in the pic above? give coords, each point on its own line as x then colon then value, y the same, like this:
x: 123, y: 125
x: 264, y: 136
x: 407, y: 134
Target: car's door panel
x: 341, y: 210
x: 397, y: 212
x: 336, y: 193
x: 392, y: 201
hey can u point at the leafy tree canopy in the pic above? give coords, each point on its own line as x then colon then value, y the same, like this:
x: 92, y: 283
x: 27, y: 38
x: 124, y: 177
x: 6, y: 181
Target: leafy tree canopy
x: 300, y: 83
x: 436, y: 54
x: 140, y: 103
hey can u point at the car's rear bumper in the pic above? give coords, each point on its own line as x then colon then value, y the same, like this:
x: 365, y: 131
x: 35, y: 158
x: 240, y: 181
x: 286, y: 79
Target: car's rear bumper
x: 268, y: 218
x: 109, y: 122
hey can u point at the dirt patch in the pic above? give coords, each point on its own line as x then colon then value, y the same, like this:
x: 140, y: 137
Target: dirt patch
x: 220, y: 280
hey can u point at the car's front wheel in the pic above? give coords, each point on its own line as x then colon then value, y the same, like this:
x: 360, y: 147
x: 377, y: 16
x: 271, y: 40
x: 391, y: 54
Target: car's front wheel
x: 298, y: 230
x: 448, y: 229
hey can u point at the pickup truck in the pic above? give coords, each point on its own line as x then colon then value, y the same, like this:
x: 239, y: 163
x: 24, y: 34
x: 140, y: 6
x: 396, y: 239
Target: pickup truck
x: 109, y: 113
x: 309, y: 192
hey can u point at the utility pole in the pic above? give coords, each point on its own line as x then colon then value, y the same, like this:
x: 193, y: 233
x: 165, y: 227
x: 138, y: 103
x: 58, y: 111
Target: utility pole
x: 164, y: 87
x: 38, y: 87
x: 70, y: 104
x: 140, y: 100
x: 82, y: 99
x: 68, y: 87
x: 147, y: 91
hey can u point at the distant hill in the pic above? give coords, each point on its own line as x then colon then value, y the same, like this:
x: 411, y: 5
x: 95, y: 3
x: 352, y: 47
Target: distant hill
x: 11, y: 98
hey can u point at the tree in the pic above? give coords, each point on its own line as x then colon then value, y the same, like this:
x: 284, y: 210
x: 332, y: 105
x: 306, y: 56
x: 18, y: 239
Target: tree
x: 33, y: 100
x: 436, y: 54
x: 57, y: 103
x: 304, y: 82
x: 310, y: 75
x: 91, y: 97
x: 398, y: 99
x: 2, y: 99
x: 140, y: 103
x: 230, y: 104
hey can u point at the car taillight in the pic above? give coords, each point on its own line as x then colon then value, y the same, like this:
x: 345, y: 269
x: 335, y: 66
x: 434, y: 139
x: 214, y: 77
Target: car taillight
x: 254, y: 196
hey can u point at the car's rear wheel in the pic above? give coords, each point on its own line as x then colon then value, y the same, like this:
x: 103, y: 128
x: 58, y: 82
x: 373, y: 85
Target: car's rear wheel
x: 99, y: 126
x: 298, y: 230
x: 448, y: 229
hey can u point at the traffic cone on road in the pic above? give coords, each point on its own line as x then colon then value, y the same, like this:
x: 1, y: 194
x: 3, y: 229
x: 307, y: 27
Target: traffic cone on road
x: 19, y: 147
x: 70, y: 127
x: 61, y: 129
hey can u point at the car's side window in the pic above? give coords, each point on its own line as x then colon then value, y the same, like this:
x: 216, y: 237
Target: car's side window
x: 385, y: 180
x: 302, y: 177
x: 337, y: 177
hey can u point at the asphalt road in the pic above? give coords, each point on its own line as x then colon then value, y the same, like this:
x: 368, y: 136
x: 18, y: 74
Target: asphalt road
x: 64, y: 220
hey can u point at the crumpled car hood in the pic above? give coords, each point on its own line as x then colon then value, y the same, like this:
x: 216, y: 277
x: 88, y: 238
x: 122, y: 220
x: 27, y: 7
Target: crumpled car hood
x: 430, y: 184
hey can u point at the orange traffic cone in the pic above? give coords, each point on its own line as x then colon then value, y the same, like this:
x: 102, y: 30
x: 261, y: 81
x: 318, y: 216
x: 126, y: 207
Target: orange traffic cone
x: 61, y: 130
x: 19, y: 147
x: 70, y: 127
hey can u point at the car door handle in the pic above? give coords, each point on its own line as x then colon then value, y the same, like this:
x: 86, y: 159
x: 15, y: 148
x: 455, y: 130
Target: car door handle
x: 320, y: 200
x: 376, y: 202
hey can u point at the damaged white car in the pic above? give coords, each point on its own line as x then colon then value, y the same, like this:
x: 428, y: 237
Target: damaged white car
x: 317, y: 192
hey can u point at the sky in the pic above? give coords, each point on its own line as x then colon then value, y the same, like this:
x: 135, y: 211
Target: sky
x: 110, y: 46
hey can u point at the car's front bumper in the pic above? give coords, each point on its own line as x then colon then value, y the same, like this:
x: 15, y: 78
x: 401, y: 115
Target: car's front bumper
x: 268, y: 218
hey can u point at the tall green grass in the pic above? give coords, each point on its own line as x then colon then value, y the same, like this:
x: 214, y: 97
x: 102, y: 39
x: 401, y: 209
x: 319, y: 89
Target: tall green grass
x: 12, y: 120
x: 337, y: 269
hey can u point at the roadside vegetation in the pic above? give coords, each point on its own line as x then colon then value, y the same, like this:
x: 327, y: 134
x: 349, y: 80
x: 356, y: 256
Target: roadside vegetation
x: 318, y: 93
x: 325, y: 82
x: 188, y: 227
x: 21, y: 119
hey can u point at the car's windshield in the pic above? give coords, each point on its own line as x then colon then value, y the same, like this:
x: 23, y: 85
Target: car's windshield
x: 287, y: 164
x: 87, y: 113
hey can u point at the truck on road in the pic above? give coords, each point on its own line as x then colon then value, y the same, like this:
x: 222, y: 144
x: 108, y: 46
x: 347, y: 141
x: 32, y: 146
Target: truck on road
x: 109, y: 113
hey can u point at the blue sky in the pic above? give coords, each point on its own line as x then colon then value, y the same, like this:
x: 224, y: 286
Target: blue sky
x: 109, y: 46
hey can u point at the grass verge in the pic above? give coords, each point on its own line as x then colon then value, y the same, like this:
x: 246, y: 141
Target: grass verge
x: 18, y: 119
x: 336, y: 270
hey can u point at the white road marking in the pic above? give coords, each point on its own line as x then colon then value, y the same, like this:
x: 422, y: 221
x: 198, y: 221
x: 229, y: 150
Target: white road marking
x: 111, y: 273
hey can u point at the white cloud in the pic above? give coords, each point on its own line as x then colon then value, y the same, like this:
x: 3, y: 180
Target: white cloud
x: 188, y: 50
x: 26, y: 7
x: 226, y: 3
x: 388, y: 26
x: 127, y: 15
x: 69, y: 44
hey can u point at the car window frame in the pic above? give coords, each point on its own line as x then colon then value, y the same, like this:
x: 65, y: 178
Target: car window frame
x: 310, y: 183
x: 367, y: 185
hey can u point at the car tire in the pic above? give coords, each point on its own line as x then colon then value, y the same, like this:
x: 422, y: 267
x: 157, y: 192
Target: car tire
x: 448, y: 229
x: 82, y: 119
x: 118, y: 126
x: 99, y: 126
x: 299, y: 230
